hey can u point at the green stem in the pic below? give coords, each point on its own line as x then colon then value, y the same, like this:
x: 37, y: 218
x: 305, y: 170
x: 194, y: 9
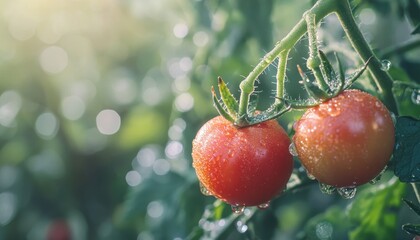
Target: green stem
x: 314, y: 60
x: 281, y: 75
x: 321, y: 9
x: 382, y: 78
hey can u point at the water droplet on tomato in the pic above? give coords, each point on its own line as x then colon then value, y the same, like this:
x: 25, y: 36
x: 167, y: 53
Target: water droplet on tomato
x: 238, y: 209
x: 241, y: 227
x: 393, y: 117
x: 333, y: 111
x: 347, y: 192
x: 204, y: 190
x: 292, y: 150
x: 230, y: 153
x: 327, y: 189
x: 415, y: 96
x: 310, y: 176
x: 264, y: 205
x: 385, y: 65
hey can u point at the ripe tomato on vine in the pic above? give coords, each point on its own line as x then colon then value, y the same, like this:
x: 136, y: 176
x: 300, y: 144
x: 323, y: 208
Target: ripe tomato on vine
x: 346, y: 141
x: 242, y: 166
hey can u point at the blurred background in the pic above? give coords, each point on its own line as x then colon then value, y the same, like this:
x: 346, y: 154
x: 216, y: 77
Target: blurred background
x: 100, y: 100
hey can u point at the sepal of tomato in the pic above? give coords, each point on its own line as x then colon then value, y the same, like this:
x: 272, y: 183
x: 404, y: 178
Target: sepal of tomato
x: 346, y: 141
x: 242, y: 166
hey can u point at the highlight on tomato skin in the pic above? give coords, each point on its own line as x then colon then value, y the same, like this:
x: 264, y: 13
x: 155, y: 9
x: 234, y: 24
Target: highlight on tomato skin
x: 242, y: 166
x: 346, y: 141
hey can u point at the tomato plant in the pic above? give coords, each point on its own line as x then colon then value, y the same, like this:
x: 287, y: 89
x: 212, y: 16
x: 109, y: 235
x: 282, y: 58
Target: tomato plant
x: 345, y: 141
x: 347, y: 136
x: 242, y: 166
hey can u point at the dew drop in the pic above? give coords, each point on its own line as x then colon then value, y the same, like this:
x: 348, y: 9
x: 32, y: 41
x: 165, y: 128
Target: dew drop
x: 393, y: 117
x: 310, y: 176
x: 238, y: 209
x: 347, y: 192
x: 327, y: 189
x: 324, y: 230
x: 292, y: 150
x: 204, y: 190
x: 221, y: 222
x: 415, y: 96
x: 264, y: 205
x: 333, y: 111
x: 241, y: 227
x: 385, y: 65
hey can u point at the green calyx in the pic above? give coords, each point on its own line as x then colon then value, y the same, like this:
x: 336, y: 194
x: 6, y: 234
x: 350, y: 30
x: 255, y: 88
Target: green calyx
x: 335, y: 82
x: 228, y: 107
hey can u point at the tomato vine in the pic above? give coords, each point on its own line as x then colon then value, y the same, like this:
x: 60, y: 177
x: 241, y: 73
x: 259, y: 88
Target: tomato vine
x: 328, y: 84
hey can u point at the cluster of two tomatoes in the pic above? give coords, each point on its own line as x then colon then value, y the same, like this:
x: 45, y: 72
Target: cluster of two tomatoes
x: 344, y: 142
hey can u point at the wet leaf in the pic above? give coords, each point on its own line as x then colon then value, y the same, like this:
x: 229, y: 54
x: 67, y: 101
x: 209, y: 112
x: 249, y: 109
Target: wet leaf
x: 413, y: 206
x: 220, y: 108
x: 271, y: 113
x: 313, y: 89
x: 407, y: 149
x: 353, y: 77
x: 228, y: 99
x: 374, y: 211
x: 412, y: 228
x: 341, y: 74
x: 407, y: 96
x: 328, y: 71
x: 332, y: 224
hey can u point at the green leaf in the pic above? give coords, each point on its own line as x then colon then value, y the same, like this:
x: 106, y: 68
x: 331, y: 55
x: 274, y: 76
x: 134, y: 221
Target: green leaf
x: 412, y: 228
x: 407, y: 149
x: 398, y: 74
x: 273, y: 112
x: 374, y: 211
x: 353, y: 77
x: 341, y: 74
x: 332, y: 224
x: 328, y: 72
x: 407, y: 96
x: 220, y: 109
x: 313, y: 89
x: 413, y: 206
x: 228, y: 99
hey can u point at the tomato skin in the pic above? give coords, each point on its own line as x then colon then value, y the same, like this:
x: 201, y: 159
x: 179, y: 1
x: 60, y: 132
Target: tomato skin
x: 346, y: 141
x: 242, y: 166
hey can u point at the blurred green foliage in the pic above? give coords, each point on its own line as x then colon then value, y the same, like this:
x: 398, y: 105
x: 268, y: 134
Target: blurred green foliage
x: 100, y: 100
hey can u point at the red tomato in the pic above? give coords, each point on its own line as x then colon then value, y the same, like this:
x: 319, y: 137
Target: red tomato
x: 345, y: 141
x: 242, y: 166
